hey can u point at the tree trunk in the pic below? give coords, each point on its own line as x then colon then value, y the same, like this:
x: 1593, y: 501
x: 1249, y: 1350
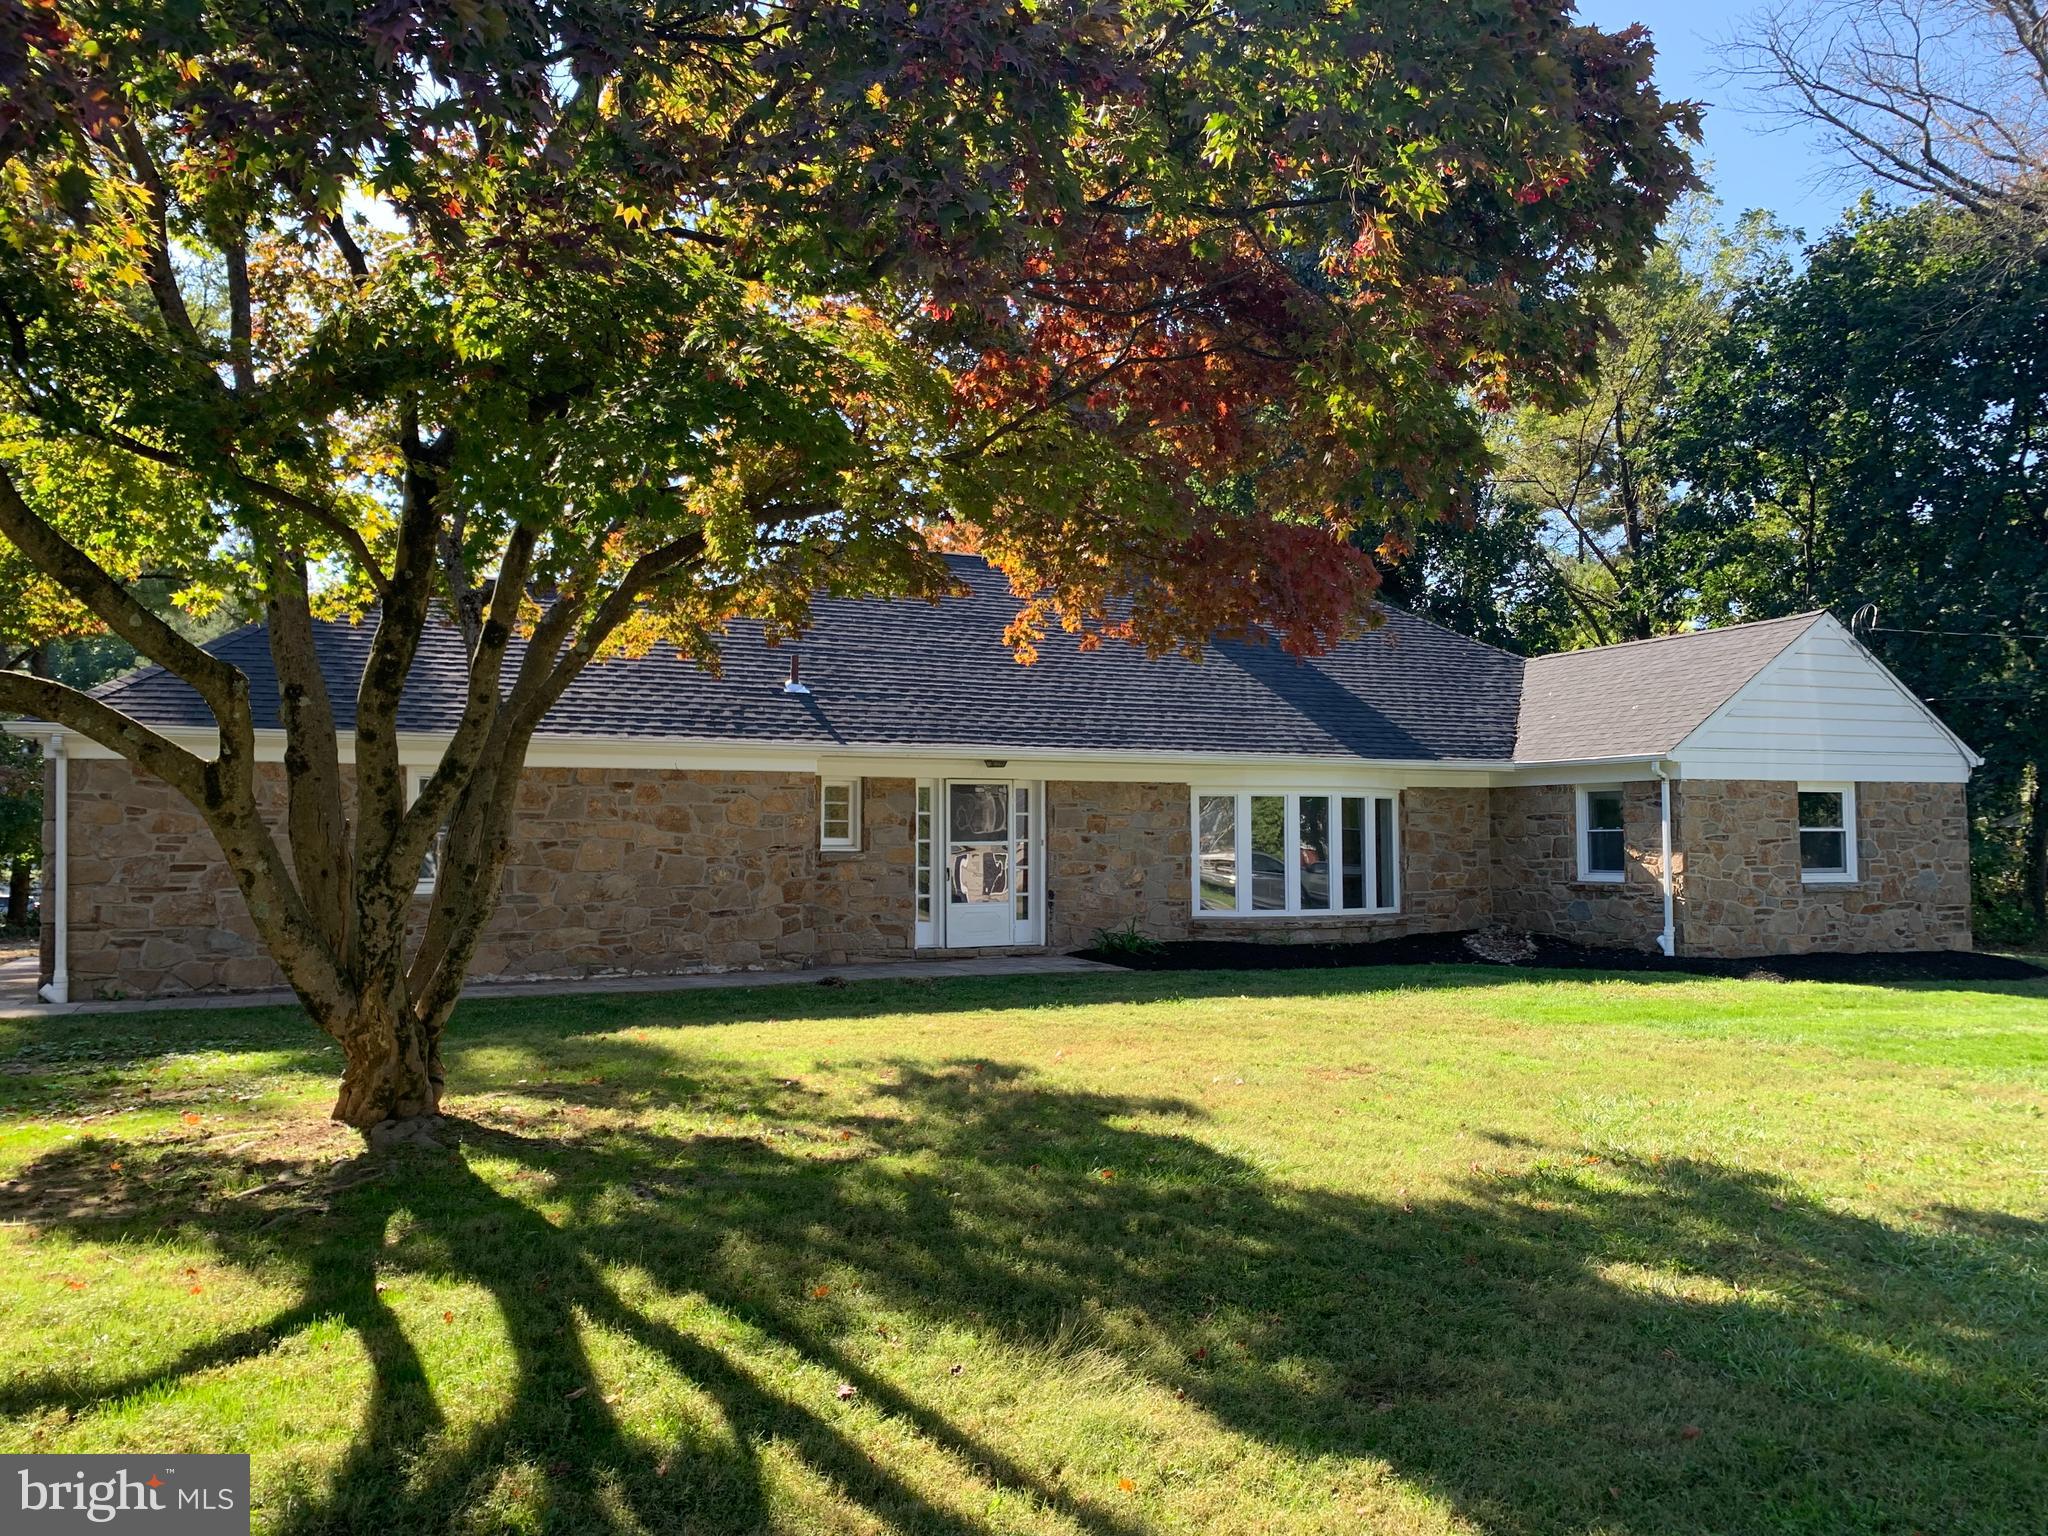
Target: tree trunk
x: 17, y: 894
x: 2034, y: 883
x: 391, y: 1067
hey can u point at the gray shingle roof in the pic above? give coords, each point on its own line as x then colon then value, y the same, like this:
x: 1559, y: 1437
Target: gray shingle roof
x: 911, y: 674
x: 1643, y: 696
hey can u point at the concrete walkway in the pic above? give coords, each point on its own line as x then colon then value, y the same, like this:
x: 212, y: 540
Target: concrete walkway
x: 18, y: 984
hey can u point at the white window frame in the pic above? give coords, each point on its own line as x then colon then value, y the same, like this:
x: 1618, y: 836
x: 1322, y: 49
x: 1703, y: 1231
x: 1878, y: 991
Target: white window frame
x: 430, y: 866
x: 1588, y: 875
x: 1845, y: 875
x: 1293, y: 911
x: 850, y: 843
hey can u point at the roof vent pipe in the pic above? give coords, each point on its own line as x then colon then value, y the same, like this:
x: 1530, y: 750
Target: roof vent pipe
x: 794, y: 686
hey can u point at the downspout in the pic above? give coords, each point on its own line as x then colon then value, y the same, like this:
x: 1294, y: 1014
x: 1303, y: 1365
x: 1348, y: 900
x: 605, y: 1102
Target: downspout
x: 1667, y: 941
x: 57, y: 868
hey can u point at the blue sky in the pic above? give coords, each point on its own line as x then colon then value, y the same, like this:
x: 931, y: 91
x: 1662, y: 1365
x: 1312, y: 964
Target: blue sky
x: 1757, y: 161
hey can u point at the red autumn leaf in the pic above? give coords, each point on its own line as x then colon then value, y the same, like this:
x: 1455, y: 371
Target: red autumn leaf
x: 1690, y: 1432
x: 818, y: 1292
x: 447, y: 1317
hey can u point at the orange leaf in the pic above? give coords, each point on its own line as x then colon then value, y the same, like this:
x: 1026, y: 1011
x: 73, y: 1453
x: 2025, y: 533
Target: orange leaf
x: 447, y: 1317
x: 114, y: 1166
x: 198, y: 1289
x: 1127, y: 1485
x: 74, y: 1285
x: 821, y: 1290
x: 190, y: 1117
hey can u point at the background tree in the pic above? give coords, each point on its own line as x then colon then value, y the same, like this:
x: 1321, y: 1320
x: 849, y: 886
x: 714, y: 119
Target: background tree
x: 1941, y: 99
x: 1870, y: 428
x: 595, y: 327
x: 1492, y: 574
x: 1592, y: 470
x: 21, y: 825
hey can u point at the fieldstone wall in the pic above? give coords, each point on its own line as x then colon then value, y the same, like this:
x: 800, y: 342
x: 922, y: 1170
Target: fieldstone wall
x: 1535, y: 876
x: 612, y: 873
x: 1121, y: 851
x: 644, y: 872
x: 1114, y: 853
x: 1739, y: 890
x: 865, y: 902
x: 652, y: 872
x: 153, y: 908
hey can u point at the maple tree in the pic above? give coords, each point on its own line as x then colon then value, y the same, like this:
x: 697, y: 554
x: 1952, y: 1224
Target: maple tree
x: 589, y: 328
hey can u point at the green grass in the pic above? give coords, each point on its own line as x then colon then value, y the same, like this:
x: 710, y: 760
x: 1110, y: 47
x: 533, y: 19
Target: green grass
x: 1390, y: 1251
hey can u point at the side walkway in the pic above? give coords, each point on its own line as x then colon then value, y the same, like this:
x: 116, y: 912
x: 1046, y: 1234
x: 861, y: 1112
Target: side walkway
x: 18, y: 984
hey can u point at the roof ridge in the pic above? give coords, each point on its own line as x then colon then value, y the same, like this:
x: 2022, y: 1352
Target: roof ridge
x: 1685, y: 634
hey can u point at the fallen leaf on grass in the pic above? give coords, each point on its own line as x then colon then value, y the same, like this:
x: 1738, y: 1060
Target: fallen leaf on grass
x: 576, y: 1394
x: 848, y: 1391
x: 190, y: 1117
x: 819, y: 1292
x: 1127, y: 1485
x: 1690, y: 1432
x: 447, y: 1317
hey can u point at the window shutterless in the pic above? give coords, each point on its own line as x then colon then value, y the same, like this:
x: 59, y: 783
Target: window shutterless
x: 1309, y: 852
x: 1603, y: 845
x: 838, y: 813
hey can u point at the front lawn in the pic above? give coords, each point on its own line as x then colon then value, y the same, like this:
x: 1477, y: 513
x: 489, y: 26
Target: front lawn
x: 1390, y: 1251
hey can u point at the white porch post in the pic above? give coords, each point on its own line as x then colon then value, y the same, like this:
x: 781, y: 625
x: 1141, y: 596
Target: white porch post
x: 57, y: 872
x: 1668, y: 939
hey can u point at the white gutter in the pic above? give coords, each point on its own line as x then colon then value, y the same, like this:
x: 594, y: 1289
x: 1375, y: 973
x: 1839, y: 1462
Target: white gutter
x: 57, y: 869
x: 1668, y: 939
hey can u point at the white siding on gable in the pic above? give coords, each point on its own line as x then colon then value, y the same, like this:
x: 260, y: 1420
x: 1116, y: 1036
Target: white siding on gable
x: 1824, y: 708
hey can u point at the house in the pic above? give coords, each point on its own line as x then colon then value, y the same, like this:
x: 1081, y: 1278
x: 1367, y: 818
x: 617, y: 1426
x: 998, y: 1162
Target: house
x: 1765, y: 788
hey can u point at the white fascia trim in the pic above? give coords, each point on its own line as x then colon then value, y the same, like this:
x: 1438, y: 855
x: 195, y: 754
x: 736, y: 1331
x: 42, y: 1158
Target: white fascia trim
x: 906, y: 760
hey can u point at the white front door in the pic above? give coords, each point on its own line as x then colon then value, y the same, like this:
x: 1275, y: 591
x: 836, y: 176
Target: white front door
x: 984, y: 864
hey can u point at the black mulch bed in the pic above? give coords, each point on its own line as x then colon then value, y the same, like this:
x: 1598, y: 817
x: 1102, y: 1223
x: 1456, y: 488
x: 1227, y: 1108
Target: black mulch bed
x: 1449, y: 949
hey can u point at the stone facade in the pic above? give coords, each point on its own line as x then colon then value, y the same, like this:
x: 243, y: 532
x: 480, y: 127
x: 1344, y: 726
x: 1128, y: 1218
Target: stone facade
x: 612, y: 872
x: 1535, y: 876
x: 618, y: 872
x: 1120, y: 852
x: 1739, y: 890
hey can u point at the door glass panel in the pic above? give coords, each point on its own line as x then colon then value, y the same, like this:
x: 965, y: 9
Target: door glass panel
x: 977, y: 872
x: 1269, y: 853
x: 978, y: 811
x: 1217, y: 815
x: 1354, y: 851
x: 1023, y: 865
x: 1383, y: 871
x: 1314, y: 840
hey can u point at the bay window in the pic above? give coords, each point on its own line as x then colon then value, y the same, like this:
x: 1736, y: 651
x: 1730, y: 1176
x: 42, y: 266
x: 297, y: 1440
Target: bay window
x: 1305, y: 853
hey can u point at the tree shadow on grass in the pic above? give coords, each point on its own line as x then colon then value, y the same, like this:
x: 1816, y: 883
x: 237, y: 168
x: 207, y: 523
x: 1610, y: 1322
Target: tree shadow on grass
x: 1578, y: 1344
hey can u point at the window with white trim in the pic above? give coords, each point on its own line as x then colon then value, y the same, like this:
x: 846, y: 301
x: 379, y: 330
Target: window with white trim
x: 1295, y: 853
x: 1603, y: 844
x: 430, y: 864
x: 839, y: 813
x: 1827, y: 833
